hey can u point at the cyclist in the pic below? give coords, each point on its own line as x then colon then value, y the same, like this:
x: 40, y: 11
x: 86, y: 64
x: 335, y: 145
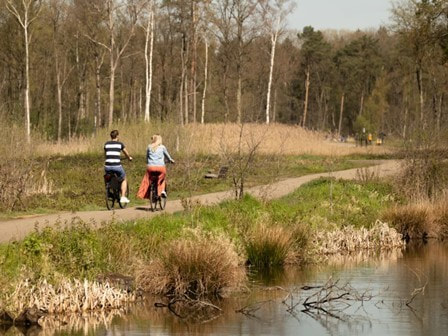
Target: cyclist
x: 155, y: 160
x: 112, y: 151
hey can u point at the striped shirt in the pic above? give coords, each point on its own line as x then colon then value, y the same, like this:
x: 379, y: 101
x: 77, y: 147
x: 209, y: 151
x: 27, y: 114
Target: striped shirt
x: 112, y: 150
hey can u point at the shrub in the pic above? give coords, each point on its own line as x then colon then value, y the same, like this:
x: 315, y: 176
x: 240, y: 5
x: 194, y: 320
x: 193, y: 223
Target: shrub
x: 412, y: 221
x: 197, y: 266
x: 268, y: 246
x: 440, y: 215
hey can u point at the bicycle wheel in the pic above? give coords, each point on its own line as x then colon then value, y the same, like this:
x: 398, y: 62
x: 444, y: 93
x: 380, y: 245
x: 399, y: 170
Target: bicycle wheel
x: 110, y: 198
x: 153, y: 198
x: 123, y: 205
x: 162, y: 203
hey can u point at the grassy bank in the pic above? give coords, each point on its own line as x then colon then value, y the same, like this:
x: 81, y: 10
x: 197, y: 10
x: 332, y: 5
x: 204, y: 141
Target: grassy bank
x: 75, y: 182
x: 248, y: 231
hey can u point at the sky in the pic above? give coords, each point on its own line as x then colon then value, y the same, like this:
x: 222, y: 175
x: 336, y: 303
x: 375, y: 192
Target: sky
x: 340, y: 14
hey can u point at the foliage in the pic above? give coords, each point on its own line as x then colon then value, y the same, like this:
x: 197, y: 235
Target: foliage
x: 251, y: 227
x: 364, y: 65
x: 75, y: 182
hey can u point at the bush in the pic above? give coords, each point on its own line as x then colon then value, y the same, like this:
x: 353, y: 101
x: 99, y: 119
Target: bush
x: 197, y: 266
x: 413, y: 221
x: 268, y: 246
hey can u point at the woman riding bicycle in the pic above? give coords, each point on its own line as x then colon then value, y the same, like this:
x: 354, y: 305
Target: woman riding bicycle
x: 155, y: 160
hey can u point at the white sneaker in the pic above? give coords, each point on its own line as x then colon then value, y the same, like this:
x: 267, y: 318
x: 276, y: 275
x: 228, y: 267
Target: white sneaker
x: 124, y: 199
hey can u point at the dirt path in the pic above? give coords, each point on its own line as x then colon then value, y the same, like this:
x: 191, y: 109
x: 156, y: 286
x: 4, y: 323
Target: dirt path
x: 18, y: 228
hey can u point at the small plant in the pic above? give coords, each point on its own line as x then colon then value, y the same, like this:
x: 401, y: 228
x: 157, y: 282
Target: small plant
x: 366, y: 174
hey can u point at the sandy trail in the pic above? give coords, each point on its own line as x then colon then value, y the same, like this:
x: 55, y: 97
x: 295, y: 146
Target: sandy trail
x: 18, y: 228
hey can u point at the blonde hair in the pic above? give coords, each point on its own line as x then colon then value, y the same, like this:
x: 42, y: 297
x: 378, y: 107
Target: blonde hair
x: 156, y: 141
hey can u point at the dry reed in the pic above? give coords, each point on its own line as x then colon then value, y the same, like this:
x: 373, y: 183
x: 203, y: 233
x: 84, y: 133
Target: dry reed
x: 197, y: 266
x: 211, y: 138
x: 68, y: 297
x: 349, y: 239
x: 268, y: 246
x: 422, y: 219
x: 413, y: 221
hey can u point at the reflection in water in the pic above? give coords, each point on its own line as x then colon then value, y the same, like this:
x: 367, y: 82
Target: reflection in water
x: 390, y: 279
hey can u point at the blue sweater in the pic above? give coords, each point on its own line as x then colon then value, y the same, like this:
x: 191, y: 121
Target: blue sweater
x: 157, y: 157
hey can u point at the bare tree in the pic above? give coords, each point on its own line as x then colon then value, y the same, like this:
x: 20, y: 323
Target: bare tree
x: 237, y: 27
x: 117, y: 12
x: 26, y: 12
x: 62, y: 69
x: 274, y: 13
x: 149, y: 52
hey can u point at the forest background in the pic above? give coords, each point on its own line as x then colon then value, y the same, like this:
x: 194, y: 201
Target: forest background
x: 70, y: 67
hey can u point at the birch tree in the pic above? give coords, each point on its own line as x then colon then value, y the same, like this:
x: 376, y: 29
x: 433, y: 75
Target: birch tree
x: 149, y: 51
x: 274, y: 13
x: 26, y: 12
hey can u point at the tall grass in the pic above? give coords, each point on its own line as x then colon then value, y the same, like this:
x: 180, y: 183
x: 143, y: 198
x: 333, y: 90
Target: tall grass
x: 22, y: 175
x: 268, y: 246
x: 420, y: 219
x: 213, y: 139
x: 198, y: 266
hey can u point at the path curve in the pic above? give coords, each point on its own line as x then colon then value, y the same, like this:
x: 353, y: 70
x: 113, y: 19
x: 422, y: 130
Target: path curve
x: 18, y: 228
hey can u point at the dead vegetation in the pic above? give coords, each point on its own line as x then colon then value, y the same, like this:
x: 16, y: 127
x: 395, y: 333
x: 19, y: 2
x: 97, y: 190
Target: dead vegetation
x: 420, y: 220
x: 195, y: 267
x: 22, y: 173
x: 349, y: 239
x: 206, y: 139
x: 29, y: 301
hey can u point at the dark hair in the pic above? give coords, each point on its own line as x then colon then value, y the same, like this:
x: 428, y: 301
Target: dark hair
x: 114, y: 134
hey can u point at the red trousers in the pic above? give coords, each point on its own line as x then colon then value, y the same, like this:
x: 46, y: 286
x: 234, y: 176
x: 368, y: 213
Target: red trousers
x: 145, y: 186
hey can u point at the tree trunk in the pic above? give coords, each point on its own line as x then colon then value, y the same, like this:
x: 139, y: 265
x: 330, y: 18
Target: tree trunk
x: 204, y: 92
x: 341, y: 114
x: 361, y: 104
x: 27, y: 82
x: 439, y: 112
x: 148, y: 62
x: 98, y: 118
x: 307, y: 91
x: 59, y: 97
x: 274, y: 107
x: 111, y: 95
x: 238, y: 97
x: 193, y: 76
x: 271, y: 72
x: 421, y: 96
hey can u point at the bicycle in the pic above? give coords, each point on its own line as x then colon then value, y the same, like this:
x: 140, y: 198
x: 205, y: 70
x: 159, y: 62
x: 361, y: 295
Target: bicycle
x: 154, y: 198
x: 113, y: 191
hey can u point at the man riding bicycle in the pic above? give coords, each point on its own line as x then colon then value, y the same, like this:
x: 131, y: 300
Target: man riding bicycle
x: 112, y: 151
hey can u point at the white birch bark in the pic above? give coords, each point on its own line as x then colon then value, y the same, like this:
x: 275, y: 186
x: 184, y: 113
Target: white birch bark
x: 149, y: 44
x: 25, y: 16
x: 204, y: 92
x: 274, y: 36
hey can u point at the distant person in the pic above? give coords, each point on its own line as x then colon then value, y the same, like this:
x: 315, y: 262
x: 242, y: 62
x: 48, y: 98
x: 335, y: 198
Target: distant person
x: 155, y: 161
x: 363, y: 137
x: 112, y: 152
x: 381, y: 136
x: 370, y: 138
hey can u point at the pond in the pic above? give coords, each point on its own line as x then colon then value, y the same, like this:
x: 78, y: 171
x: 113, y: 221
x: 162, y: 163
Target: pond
x: 399, y: 293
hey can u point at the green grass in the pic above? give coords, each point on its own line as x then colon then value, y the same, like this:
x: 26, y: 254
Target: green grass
x: 82, y: 251
x: 323, y: 202
x: 77, y: 181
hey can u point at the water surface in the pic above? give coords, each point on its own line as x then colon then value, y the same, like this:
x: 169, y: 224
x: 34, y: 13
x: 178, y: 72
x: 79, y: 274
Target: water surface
x: 386, y: 281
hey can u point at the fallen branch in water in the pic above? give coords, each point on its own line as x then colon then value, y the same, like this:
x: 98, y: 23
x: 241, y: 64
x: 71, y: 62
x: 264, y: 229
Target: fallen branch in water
x: 188, y: 309
x: 417, y: 290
